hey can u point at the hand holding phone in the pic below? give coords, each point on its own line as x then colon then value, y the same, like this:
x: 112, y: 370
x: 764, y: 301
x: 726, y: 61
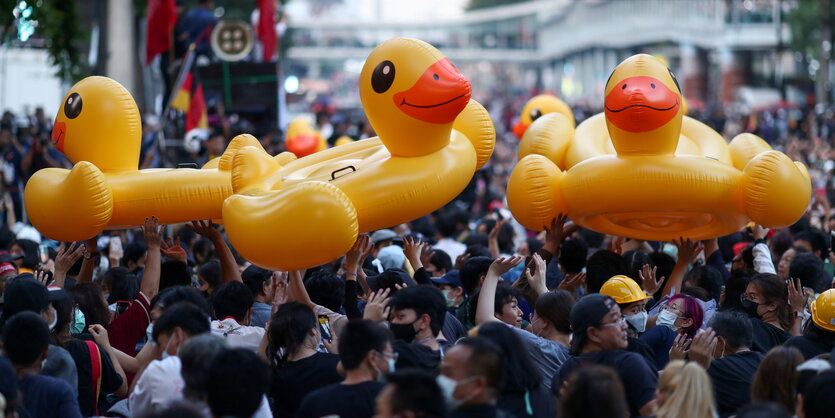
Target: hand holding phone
x: 43, y: 253
x: 325, y: 328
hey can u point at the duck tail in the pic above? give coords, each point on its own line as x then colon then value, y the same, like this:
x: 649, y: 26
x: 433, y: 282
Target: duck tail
x: 239, y: 142
x: 549, y: 136
x: 474, y: 123
x: 250, y: 166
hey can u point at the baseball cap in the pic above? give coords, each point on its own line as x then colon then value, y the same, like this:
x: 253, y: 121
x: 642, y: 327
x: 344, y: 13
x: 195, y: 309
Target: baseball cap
x: 453, y: 278
x: 391, y: 257
x: 589, y: 311
x: 382, y: 235
x: 389, y: 278
x: 25, y: 294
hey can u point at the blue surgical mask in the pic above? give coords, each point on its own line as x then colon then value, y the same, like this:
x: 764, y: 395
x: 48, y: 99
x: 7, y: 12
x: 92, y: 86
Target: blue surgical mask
x: 638, y: 321
x: 78, y: 322
x: 667, y: 319
x: 149, y: 332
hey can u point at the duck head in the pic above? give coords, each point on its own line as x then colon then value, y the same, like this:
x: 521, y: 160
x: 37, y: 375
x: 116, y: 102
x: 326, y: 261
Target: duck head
x: 538, y: 106
x: 99, y: 122
x: 412, y: 94
x: 643, y: 107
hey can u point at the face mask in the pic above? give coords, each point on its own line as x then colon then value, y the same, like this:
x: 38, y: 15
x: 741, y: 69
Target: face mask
x: 750, y: 308
x: 448, y: 386
x: 78, y: 322
x: 381, y: 377
x: 667, y: 319
x: 405, y: 332
x: 149, y: 332
x: 638, y: 322
x: 165, y: 354
x: 449, y: 302
x: 54, y: 319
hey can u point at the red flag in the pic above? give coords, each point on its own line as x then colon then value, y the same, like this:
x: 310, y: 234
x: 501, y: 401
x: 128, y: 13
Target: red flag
x: 162, y: 16
x: 196, y: 116
x: 266, y: 27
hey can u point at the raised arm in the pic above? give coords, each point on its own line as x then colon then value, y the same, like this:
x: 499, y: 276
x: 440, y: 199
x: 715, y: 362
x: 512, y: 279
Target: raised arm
x: 228, y: 265
x: 150, y: 277
x: 487, y: 294
x: 89, y: 263
x: 68, y: 255
x: 761, y: 252
x: 414, y: 250
x: 297, y: 291
x: 687, y: 252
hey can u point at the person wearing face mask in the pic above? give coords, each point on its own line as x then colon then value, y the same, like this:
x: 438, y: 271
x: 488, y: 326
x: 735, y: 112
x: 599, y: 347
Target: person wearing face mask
x: 417, y: 316
x: 471, y: 377
x: 819, y: 335
x: 411, y: 393
x: 366, y: 355
x: 680, y: 316
x: 292, y: 350
x: 161, y: 382
x: 776, y: 309
x: 25, y: 294
x: 452, y: 288
x: 600, y: 338
x: 633, y: 305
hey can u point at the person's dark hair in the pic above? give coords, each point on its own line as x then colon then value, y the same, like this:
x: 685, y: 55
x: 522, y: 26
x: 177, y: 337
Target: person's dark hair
x: 747, y: 256
x: 555, y: 307
x: 441, y: 260
x: 664, y: 264
x: 175, y: 294
x: 203, y: 250
x: 447, y: 225
x: 174, y: 273
x: 288, y: 330
x: 573, y: 255
x: 133, y: 252
x: 477, y: 250
x: 593, y: 392
x: 734, y: 327
x: 534, y: 245
x: 196, y: 356
x: 122, y: 283
x: 88, y: 297
x: 30, y: 253
x: 423, y: 299
x: 505, y: 238
x: 210, y: 272
x: 777, y: 376
x: 237, y: 381
x: 471, y: 272
x: 390, y: 279
x: 809, y: 269
x: 774, y: 290
x: 485, y: 360
x: 818, y: 401
x: 326, y: 289
x: 416, y: 391
x: 25, y: 338
x: 478, y: 239
x: 357, y: 338
x: 602, y: 266
x: 781, y: 242
x: 505, y: 294
x: 7, y: 237
x: 520, y: 374
x: 64, y: 317
x: 232, y: 299
x: 817, y: 239
x: 819, y: 335
x: 636, y: 260
x: 183, y: 315
x: 176, y: 409
x: 254, y: 277
x: 696, y: 292
x: 763, y: 410
x: 734, y: 288
x: 707, y: 278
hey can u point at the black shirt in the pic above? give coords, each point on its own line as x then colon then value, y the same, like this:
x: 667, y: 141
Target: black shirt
x: 110, y: 380
x: 643, y: 349
x: 416, y: 356
x: 808, y: 347
x: 453, y: 329
x: 639, y: 381
x: 346, y: 401
x: 292, y: 382
x: 479, y: 411
x: 539, y: 402
x: 731, y: 376
x: 767, y: 336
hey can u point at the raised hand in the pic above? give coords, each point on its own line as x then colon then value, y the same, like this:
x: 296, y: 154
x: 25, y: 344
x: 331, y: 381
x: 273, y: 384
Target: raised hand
x: 556, y: 233
x: 615, y: 245
x: 206, y: 229
x: 651, y: 285
x: 99, y: 334
x: 459, y: 261
x: 758, y: 232
x: 42, y: 277
x: 537, y: 280
x: 572, y: 282
x: 152, y: 232
x: 503, y: 264
x: 355, y: 255
x: 377, y: 309
x: 688, y: 250
x: 679, y: 348
x: 426, y: 255
x: 68, y: 255
x: 797, y: 298
x: 702, y: 347
x: 412, y: 250
x: 173, y: 250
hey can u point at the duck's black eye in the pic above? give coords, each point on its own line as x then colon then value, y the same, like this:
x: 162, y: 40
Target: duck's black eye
x: 652, y: 85
x: 72, y: 108
x: 623, y: 87
x: 535, y: 114
x: 382, y: 77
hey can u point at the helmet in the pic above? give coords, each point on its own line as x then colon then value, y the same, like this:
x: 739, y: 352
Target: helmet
x: 623, y: 290
x: 823, y: 310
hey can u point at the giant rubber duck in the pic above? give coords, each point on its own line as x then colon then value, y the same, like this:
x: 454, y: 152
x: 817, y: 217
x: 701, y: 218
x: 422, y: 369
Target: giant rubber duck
x: 645, y: 190
x: 302, y: 139
x: 538, y: 106
x: 432, y: 139
x: 98, y: 128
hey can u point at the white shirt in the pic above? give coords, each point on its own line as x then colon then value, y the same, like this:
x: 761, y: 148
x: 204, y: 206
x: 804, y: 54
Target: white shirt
x: 450, y: 246
x: 237, y: 335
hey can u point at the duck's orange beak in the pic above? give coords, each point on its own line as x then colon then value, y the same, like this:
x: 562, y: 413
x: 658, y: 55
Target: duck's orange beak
x: 519, y: 129
x: 438, y: 96
x: 641, y: 104
x: 59, y: 134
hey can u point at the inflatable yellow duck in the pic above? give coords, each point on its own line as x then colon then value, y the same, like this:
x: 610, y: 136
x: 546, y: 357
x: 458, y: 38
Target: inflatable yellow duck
x: 538, y: 106
x: 645, y: 190
x: 302, y: 139
x: 432, y: 139
x: 99, y: 129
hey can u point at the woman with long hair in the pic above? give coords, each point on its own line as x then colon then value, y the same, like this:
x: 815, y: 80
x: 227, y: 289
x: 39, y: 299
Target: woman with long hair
x: 681, y: 316
x: 776, y: 378
x: 776, y: 307
x: 684, y: 391
x: 293, y: 337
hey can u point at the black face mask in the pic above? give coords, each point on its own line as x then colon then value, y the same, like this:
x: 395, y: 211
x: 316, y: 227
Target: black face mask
x: 405, y: 332
x: 750, y: 308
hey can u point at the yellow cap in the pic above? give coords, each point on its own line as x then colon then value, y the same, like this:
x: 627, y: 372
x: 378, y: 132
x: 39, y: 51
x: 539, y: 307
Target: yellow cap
x: 823, y: 310
x: 623, y: 290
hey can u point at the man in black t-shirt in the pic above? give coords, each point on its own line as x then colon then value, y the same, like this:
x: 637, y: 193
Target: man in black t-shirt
x: 600, y: 338
x: 732, y: 364
x: 366, y: 354
x: 417, y: 316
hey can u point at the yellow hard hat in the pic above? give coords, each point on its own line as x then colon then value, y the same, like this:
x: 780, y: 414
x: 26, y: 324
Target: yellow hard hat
x: 823, y: 310
x: 623, y: 290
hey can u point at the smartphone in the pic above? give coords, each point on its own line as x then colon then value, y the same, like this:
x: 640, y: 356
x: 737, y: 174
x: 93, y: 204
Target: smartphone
x: 498, y: 213
x: 116, y: 247
x: 325, y: 328
x: 43, y: 253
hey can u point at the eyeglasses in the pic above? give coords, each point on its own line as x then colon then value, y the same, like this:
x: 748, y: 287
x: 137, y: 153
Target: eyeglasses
x: 749, y: 297
x: 617, y: 324
x: 392, y: 356
x: 673, y: 308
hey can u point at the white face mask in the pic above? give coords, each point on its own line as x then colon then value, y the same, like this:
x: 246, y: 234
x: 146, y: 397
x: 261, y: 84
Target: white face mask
x: 638, y: 321
x: 667, y: 319
x: 54, y: 318
x: 149, y: 332
x: 448, y: 386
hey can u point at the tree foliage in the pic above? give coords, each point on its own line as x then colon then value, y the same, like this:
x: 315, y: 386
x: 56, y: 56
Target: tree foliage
x: 806, y: 22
